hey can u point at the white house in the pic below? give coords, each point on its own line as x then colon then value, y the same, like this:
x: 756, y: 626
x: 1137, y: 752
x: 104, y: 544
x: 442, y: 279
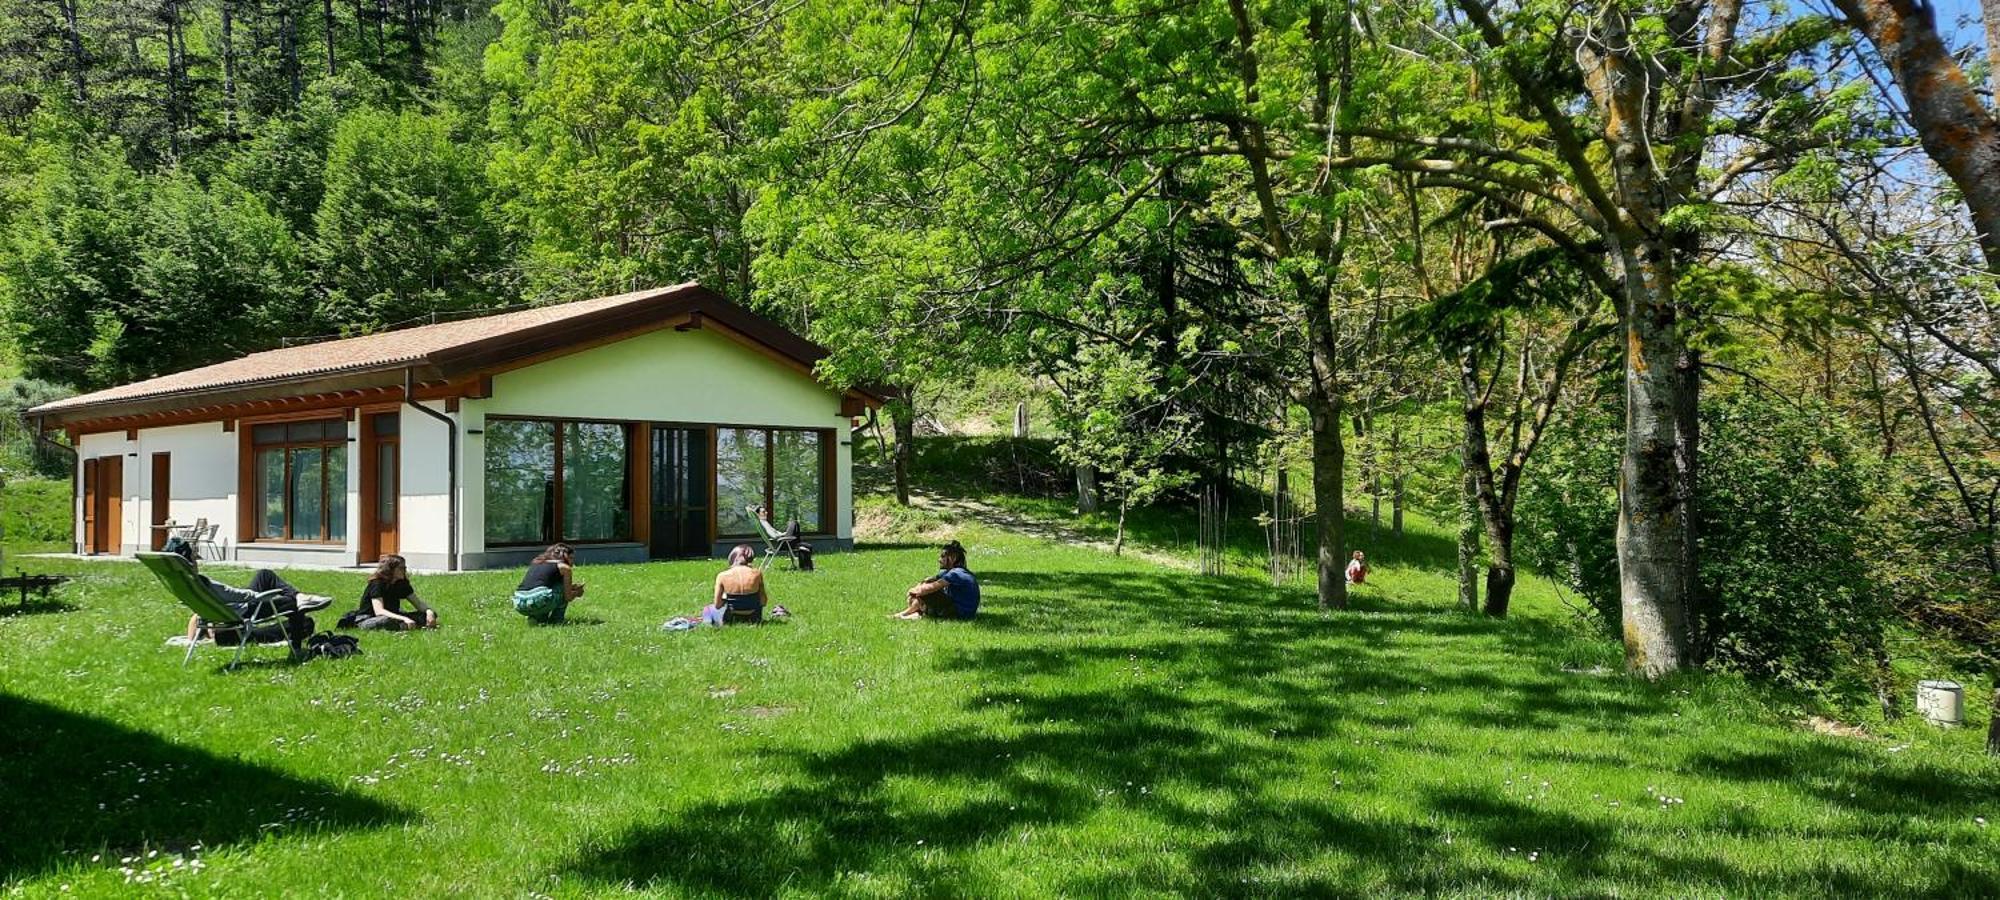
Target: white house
x: 634, y: 427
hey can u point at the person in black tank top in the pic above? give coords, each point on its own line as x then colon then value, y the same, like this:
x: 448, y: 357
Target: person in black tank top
x: 549, y: 587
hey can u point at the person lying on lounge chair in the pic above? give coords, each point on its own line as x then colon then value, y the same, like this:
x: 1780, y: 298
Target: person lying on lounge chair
x: 290, y: 601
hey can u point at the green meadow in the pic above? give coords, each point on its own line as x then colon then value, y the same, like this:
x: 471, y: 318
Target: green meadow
x: 1107, y: 727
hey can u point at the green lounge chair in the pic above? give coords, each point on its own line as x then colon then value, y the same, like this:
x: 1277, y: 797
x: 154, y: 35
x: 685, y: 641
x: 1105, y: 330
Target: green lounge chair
x: 178, y: 576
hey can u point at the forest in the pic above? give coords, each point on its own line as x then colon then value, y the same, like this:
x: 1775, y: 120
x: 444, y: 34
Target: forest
x: 1686, y: 305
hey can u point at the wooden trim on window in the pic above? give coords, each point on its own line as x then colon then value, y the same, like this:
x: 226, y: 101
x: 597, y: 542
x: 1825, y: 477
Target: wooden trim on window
x: 829, y: 480
x: 715, y: 495
x: 639, y: 483
x: 307, y: 415
x: 246, y: 488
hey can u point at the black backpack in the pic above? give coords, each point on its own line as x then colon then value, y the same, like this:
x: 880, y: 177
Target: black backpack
x: 332, y: 646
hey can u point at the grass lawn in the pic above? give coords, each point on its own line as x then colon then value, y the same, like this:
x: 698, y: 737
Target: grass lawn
x: 1107, y: 727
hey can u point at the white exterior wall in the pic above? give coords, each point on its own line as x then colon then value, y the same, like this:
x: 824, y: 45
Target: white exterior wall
x: 425, y: 503
x: 696, y: 377
x: 201, y: 476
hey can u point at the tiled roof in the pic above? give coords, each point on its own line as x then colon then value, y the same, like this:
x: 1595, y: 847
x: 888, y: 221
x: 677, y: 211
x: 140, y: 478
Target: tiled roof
x: 384, y: 350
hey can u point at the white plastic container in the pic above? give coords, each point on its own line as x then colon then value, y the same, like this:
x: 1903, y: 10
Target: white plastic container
x: 1941, y: 702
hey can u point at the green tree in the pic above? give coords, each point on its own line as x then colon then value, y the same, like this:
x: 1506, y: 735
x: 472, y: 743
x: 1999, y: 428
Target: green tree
x: 404, y: 227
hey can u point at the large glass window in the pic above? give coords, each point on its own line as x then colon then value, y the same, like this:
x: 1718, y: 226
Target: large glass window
x: 301, y: 480
x: 594, y: 481
x: 548, y: 481
x: 739, y: 478
x: 783, y: 470
x: 795, y: 479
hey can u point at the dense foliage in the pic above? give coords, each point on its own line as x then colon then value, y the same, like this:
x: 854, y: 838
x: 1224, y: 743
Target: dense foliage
x: 1453, y: 256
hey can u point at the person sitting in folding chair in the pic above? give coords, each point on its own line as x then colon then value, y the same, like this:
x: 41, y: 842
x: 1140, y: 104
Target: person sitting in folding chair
x: 776, y: 541
x: 251, y: 604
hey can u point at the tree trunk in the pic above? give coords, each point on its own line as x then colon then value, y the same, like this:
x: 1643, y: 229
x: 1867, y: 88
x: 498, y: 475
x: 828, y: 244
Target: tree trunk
x: 1500, y: 574
x: 1993, y: 727
x: 78, y: 64
x: 1989, y: 10
x: 1329, y: 462
x: 1086, y: 489
x: 1396, y: 476
x: 903, y: 420
x: 1958, y: 133
x: 288, y: 41
x: 1687, y: 468
x: 1468, y: 543
x: 228, y: 71
x: 1118, y: 543
x: 326, y: 20
x: 1653, y: 520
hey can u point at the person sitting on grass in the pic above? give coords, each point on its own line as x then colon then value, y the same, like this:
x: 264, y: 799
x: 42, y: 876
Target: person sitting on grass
x: 950, y: 594
x: 1357, y: 570
x: 382, y: 600
x: 549, y: 587
x: 244, y: 601
x: 740, y: 595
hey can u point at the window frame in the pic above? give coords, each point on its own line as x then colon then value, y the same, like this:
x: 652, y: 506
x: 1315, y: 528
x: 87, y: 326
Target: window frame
x: 557, y: 523
x: 827, y: 476
x: 254, y: 532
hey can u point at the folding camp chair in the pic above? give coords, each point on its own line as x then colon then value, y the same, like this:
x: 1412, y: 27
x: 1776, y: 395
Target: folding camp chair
x: 775, y: 542
x: 179, y: 577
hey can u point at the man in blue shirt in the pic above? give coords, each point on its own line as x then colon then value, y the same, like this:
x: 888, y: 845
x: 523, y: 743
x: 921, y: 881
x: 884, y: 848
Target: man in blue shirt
x: 950, y: 594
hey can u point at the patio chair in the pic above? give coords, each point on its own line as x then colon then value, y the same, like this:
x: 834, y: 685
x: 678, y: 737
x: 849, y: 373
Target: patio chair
x: 775, y: 542
x: 179, y: 578
x: 205, y: 538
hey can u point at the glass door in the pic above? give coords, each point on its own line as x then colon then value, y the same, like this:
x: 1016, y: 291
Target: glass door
x: 680, y: 492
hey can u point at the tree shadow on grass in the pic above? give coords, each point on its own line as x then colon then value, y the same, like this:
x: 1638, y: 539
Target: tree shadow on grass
x: 35, y: 607
x: 75, y: 784
x: 1195, y: 739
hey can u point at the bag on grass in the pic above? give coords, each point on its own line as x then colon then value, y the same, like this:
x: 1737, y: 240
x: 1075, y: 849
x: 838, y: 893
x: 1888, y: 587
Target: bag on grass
x: 332, y: 646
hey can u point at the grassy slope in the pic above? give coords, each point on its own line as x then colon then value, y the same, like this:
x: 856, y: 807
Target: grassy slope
x: 1108, y: 727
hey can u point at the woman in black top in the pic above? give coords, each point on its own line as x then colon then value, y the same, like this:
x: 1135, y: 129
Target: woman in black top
x: 388, y: 589
x: 549, y: 587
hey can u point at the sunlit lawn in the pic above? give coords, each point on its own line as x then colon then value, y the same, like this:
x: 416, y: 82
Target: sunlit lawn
x: 1107, y: 727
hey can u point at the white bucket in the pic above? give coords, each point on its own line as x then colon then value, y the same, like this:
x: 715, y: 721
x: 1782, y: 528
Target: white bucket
x: 1941, y: 702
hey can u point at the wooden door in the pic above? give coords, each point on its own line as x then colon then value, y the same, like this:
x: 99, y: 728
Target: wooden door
x: 111, y: 521
x: 90, y: 506
x: 381, y: 486
x: 162, y: 494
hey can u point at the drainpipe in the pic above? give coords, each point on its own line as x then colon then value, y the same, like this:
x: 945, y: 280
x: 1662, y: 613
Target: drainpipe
x: 451, y: 467
x: 75, y: 473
